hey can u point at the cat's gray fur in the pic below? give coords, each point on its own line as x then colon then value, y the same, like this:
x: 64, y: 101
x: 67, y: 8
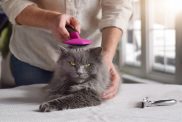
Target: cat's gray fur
x: 80, y: 85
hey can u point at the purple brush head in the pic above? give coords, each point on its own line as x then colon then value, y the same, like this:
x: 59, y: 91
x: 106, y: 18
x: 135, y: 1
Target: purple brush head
x: 75, y: 38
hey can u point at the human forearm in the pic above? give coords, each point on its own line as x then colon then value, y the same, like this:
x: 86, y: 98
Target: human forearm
x: 51, y: 20
x: 34, y: 16
x: 115, y: 17
x: 110, y: 39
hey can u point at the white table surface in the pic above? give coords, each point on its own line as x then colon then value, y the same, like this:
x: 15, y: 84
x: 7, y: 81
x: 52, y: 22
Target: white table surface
x: 21, y: 104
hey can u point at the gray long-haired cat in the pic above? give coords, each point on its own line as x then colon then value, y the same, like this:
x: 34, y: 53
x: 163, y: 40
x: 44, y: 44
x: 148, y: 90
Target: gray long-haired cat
x: 79, y: 80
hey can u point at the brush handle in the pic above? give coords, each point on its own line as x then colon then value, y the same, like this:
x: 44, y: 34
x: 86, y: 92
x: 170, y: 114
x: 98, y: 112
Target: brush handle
x: 70, y: 28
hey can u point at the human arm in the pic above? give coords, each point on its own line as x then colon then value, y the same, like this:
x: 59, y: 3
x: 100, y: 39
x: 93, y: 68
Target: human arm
x: 115, y: 17
x: 29, y: 14
x: 110, y: 39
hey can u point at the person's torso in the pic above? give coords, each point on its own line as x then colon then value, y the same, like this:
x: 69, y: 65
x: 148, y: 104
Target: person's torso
x: 38, y: 47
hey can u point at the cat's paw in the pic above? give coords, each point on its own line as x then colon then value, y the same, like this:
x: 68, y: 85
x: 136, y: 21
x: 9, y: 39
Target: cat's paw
x: 46, y: 107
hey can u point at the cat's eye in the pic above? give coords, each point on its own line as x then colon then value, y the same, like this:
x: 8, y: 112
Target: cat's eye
x: 87, y: 65
x: 72, y: 63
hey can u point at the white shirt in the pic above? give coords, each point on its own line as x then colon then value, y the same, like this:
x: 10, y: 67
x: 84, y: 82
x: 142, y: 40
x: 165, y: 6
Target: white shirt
x: 38, y: 47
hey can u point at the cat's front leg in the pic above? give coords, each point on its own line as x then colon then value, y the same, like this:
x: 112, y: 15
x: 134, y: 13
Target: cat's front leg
x: 52, y: 105
x: 79, y: 99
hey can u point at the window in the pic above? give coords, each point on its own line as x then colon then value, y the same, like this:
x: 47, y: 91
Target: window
x: 162, y: 33
x: 149, y: 48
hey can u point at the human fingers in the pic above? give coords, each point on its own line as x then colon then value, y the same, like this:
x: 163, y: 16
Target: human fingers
x: 115, y: 81
x: 112, y: 90
x: 62, y: 29
x: 57, y: 27
x: 110, y: 95
x: 75, y: 23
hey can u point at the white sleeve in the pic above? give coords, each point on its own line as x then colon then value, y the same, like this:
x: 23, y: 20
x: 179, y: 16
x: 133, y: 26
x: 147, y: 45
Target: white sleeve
x: 13, y: 7
x: 115, y: 13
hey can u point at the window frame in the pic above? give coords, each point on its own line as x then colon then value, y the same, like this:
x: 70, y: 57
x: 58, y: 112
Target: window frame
x: 146, y: 70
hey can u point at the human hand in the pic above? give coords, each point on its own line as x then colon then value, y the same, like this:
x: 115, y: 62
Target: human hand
x: 57, y: 26
x: 115, y: 80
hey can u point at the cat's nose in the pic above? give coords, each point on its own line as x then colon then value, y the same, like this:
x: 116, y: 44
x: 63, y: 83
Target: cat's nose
x: 80, y: 71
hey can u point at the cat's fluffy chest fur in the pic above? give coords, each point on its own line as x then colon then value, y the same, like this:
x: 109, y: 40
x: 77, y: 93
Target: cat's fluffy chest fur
x: 79, y: 80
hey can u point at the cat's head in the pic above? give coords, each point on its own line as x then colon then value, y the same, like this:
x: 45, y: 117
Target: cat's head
x: 80, y: 64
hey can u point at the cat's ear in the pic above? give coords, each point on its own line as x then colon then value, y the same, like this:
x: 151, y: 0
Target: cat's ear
x: 96, y: 51
x: 62, y: 50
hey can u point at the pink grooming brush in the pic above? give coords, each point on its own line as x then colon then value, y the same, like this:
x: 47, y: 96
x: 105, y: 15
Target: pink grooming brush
x: 75, y: 38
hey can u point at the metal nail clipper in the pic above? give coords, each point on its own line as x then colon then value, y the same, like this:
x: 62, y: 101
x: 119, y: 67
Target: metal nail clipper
x: 148, y: 103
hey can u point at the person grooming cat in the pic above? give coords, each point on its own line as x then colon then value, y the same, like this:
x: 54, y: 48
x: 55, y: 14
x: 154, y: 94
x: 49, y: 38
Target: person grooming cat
x: 79, y: 80
x: 39, y: 27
